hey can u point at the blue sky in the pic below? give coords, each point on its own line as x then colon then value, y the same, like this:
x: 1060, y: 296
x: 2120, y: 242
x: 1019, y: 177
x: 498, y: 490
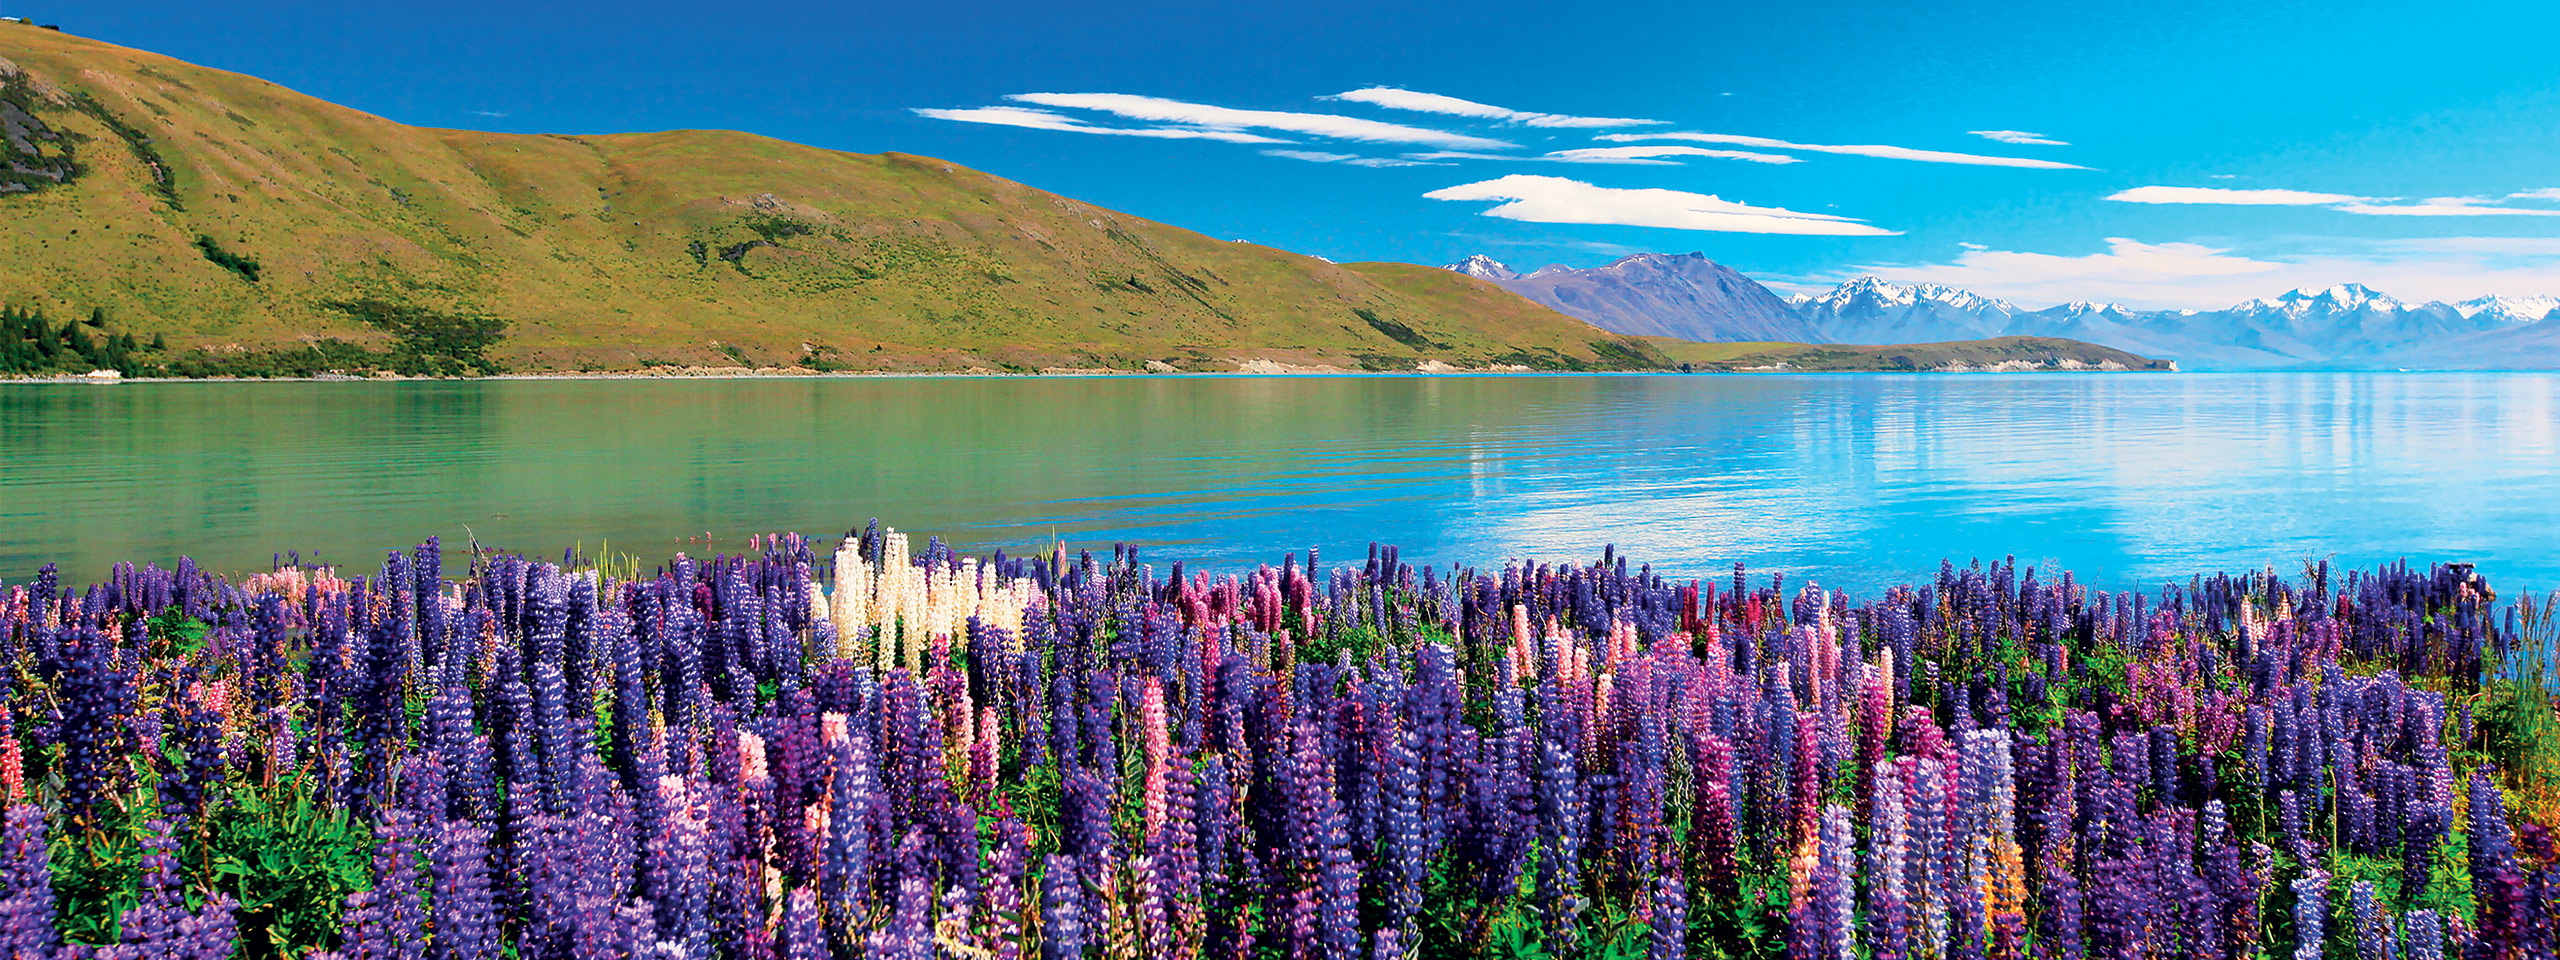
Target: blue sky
x: 2199, y: 154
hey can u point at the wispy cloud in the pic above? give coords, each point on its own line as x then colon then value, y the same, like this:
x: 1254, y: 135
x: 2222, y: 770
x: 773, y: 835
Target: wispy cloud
x: 1052, y: 120
x: 1638, y: 156
x: 2341, y: 202
x: 1420, y: 102
x: 2546, y: 193
x: 493, y: 114
x: 1542, y: 199
x: 1546, y: 243
x: 1230, y: 119
x: 1654, y: 153
x: 2018, y: 137
x: 2445, y: 207
x: 2202, y: 277
x: 2221, y: 195
x: 1348, y: 159
x: 1312, y: 156
x: 1855, y: 150
x: 2509, y: 250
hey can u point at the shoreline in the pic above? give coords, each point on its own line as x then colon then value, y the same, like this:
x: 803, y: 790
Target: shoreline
x: 784, y: 373
x: 1347, y: 374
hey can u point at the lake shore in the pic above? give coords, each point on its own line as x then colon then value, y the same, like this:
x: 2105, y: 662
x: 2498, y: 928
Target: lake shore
x: 1277, y: 370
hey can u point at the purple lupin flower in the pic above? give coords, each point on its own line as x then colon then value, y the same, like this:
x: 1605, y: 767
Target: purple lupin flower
x: 803, y: 938
x: 1001, y: 931
x: 855, y: 825
x: 2426, y: 935
x: 1399, y: 871
x: 2310, y: 912
x: 2373, y: 927
x: 1820, y: 924
x: 1561, y: 822
x: 383, y: 923
x: 97, y: 694
x: 680, y: 874
x: 1063, y: 924
x: 26, y: 888
x: 2497, y: 886
x: 463, y: 912
x: 1667, y: 926
x: 1329, y: 918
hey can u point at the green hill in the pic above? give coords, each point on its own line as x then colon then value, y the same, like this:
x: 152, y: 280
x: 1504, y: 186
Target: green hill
x: 253, y: 229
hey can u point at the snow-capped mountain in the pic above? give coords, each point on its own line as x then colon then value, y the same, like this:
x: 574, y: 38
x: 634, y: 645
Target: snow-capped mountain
x: 1686, y: 296
x: 1870, y: 310
x: 2347, y: 325
x: 1483, y: 267
x: 2509, y: 309
x: 2344, y: 297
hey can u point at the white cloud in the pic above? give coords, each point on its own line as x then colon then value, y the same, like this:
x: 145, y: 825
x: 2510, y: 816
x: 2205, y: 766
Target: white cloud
x: 2512, y: 248
x: 1855, y: 150
x: 1421, y: 102
x: 1467, y: 155
x: 1651, y: 154
x: 2343, y: 203
x: 2546, y: 193
x: 1348, y: 159
x: 1049, y: 120
x: 1639, y: 156
x: 2280, y: 198
x: 1210, y: 117
x: 1542, y: 199
x: 2018, y: 137
x: 2444, y: 207
x: 1312, y: 156
x: 2200, y: 277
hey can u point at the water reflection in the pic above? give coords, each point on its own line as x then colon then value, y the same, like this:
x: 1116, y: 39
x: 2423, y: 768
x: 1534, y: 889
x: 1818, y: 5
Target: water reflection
x: 1852, y: 480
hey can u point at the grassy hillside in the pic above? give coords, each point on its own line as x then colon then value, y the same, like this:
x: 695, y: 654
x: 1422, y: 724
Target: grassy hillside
x: 251, y: 228
x: 2002, y: 353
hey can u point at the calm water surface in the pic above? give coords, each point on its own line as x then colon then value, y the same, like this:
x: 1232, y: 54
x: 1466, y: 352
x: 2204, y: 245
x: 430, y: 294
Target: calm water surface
x: 1852, y: 481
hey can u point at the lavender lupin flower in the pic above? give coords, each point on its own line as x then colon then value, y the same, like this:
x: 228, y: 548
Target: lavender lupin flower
x: 2425, y: 934
x: 802, y: 936
x: 2310, y: 912
x: 26, y: 888
x: 1063, y: 924
x: 463, y: 913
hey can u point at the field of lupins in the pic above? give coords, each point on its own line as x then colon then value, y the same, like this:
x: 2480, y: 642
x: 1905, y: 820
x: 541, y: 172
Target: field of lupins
x: 789, y: 756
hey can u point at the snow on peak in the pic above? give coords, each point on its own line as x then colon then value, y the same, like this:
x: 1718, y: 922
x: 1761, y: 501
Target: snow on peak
x: 1887, y: 293
x: 1871, y: 287
x: 1483, y: 267
x: 2508, y: 309
x: 2081, y: 307
x: 2343, y: 296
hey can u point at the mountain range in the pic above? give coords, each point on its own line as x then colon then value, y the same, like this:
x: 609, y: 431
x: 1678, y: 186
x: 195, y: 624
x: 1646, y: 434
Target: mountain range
x: 2343, y: 326
x: 1682, y: 296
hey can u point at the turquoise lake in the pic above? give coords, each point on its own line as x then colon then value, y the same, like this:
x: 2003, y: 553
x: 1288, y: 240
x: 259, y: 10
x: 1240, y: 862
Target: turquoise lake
x: 1851, y: 481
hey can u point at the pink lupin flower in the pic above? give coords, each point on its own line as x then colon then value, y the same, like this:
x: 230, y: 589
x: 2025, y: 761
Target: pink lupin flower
x: 1622, y: 643
x: 13, y: 763
x: 1159, y: 743
x: 1523, y: 649
x: 751, y: 762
